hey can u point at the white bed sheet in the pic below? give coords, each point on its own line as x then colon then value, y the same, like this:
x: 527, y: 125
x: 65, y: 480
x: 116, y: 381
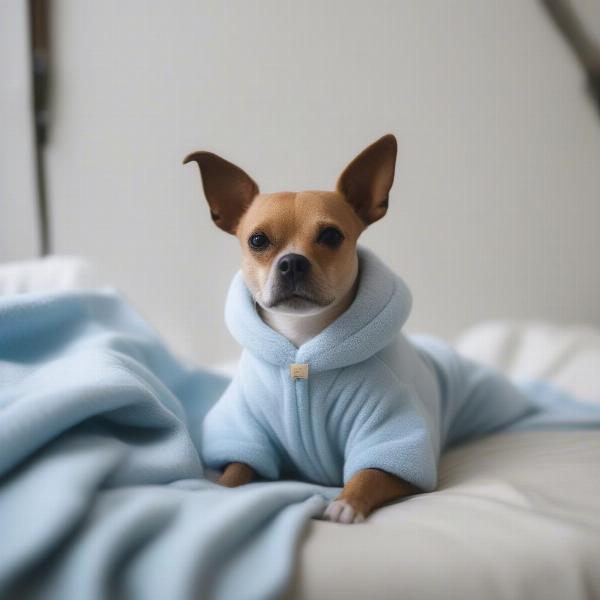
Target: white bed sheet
x: 516, y: 516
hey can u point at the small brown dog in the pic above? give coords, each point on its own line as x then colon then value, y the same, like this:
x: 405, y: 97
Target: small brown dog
x: 309, y: 238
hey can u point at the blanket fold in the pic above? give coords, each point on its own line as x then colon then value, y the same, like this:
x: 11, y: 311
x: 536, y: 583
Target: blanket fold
x: 102, y: 492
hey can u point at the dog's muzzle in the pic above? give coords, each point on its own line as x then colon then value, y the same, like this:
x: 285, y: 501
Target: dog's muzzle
x: 292, y: 281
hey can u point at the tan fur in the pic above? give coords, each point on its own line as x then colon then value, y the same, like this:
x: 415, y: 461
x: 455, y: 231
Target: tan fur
x: 371, y: 488
x: 236, y: 474
x: 292, y: 222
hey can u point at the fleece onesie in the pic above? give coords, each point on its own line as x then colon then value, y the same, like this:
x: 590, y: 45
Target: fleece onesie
x: 359, y: 395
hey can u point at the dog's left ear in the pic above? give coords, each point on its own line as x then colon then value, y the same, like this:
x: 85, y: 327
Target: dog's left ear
x: 367, y: 180
x: 228, y: 189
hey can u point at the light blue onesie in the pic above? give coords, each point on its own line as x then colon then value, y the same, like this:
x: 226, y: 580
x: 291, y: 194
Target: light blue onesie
x: 372, y: 398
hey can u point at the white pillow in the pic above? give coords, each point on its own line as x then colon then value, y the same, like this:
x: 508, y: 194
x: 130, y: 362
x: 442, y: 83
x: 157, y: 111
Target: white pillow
x: 46, y: 274
x: 568, y: 356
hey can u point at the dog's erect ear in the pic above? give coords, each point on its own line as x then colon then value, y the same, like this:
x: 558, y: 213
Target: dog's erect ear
x: 367, y: 180
x: 228, y: 190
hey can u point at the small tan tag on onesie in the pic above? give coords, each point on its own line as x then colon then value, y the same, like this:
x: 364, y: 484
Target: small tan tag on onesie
x: 299, y: 371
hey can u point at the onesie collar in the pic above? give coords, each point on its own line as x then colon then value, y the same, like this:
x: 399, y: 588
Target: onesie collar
x: 378, y: 312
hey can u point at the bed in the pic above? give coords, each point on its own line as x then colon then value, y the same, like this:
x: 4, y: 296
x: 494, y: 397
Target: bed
x: 516, y: 515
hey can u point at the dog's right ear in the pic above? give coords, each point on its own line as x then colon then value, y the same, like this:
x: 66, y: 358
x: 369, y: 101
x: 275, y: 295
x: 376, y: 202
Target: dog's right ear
x: 229, y: 191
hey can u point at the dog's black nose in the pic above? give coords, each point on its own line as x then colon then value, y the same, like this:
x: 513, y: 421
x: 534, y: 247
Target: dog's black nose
x: 293, y: 266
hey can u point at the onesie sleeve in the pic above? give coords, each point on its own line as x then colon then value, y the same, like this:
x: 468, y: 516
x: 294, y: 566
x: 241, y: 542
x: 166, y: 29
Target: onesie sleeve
x: 232, y: 433
x: 392, y: 434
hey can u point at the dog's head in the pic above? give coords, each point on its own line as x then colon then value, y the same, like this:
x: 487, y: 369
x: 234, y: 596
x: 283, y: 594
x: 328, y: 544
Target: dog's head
x: 299, y: 248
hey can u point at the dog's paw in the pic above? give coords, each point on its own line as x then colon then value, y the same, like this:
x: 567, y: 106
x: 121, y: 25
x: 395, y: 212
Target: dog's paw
x: 340, y: 511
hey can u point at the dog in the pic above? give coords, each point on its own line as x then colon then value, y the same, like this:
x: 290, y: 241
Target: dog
x: 301, y: 273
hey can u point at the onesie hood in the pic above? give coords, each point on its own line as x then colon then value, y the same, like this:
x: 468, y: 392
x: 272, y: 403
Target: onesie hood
x: 378, y: 312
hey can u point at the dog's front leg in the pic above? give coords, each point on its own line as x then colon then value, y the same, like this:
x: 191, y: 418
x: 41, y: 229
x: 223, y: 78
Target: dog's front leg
x: 366, y: 491
x: 236, y: 474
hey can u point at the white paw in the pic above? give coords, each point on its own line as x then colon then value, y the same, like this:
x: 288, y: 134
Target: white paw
x: 340, y: 511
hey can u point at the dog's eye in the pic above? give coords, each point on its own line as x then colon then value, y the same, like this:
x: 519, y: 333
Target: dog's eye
x: 258, y: 241
x: 330, y: 237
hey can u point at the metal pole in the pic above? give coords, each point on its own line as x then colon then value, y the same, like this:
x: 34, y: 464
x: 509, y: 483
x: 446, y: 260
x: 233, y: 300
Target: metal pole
x: 40, y: 60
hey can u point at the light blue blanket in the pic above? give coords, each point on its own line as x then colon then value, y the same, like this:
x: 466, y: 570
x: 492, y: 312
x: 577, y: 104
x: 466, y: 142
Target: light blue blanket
x: 101, y: 485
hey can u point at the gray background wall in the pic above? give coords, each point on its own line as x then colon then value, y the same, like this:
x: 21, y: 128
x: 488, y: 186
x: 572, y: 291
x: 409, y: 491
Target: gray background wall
x: 18, y: 217
x: 496, y: 205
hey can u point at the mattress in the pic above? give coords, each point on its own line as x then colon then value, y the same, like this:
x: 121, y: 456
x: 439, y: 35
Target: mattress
x: 516, y: 515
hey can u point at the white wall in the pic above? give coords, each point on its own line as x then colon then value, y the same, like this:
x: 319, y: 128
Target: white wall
x: 496, y: 205
x: 18, y: 216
